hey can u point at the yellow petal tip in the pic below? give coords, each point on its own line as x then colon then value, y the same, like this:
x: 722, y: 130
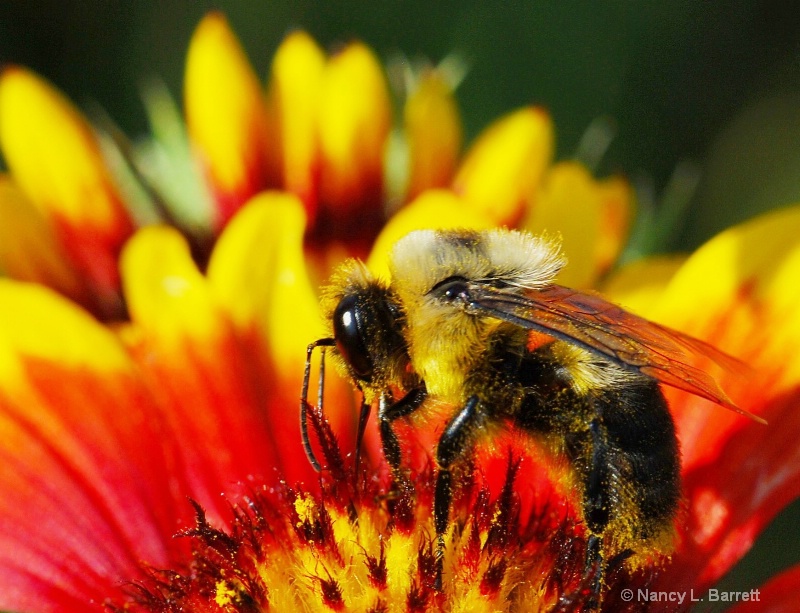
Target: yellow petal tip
x: 225, y: 113
x: 502, y: 169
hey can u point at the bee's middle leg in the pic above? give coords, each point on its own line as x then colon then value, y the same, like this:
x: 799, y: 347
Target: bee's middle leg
x: 453, y: 444
x: 389, y: 411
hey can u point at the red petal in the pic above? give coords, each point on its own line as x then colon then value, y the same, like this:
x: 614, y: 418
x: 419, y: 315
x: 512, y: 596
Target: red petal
x: 738, y: 473
x: 89, y: 478
x: 732, y: 499
x: 779, y: 595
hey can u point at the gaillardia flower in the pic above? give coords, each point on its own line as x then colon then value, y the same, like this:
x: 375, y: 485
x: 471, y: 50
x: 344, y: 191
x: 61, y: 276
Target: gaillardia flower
x: 150, y: 372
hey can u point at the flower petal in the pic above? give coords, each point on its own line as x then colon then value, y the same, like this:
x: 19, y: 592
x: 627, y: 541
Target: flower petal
x: 616, y: 200
x: 225, y: 114
x: 85, y: 465
x: 167, y: 296
x: 732, y: 498
x: 433, y: 130
x: 56, y: 161
x: 221, y: 399
x: 739, y: 474
x: 638, y: 286
x: 29, y: 250
x: 433, y: 209
x: 589, y: 215
x: 504, y: 166
x: 294, y: 92
x: 779, y: 595
x: 745, y: 281
x: 258, y: 274
x: 354, y: 122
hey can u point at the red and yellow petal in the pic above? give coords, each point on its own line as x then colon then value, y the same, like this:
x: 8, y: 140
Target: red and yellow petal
x: 195, y: 363
x: 739, y: 292
x: 56, y: 162
x: 258, y: 273
x: 616, y: 199
x: 29, y: 249
x: 433, y: 131
x: 225, y: 115
x: 504, y: 167
x: 354, y: 122
x: 89, y: 479
x: 293, y: 101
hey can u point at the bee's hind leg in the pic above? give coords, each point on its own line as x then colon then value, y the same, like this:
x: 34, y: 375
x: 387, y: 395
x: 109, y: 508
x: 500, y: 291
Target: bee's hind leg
x: 594, y: 568
x: 453, y: 444
x: 596, y: 506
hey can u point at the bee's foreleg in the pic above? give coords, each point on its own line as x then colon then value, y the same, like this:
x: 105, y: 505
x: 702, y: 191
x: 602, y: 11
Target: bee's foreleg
x: 596, y: 504
x: 363, y: 417
x: 388, y: 411
x: 453, y: 444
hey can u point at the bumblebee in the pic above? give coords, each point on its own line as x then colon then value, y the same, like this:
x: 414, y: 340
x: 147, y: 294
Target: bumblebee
x: 473, y: 321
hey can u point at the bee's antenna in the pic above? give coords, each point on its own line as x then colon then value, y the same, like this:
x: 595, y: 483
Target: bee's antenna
x: 321, y: 380
x: 323, y: 342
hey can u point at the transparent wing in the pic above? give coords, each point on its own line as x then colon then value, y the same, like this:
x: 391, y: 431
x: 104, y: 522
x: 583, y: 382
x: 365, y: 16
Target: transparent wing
x: 599, y: 326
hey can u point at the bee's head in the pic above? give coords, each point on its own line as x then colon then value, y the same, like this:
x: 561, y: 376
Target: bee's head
x: 424, y: 260
x: 366, y: 321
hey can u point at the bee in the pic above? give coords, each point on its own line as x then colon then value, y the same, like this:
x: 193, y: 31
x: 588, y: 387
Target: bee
x: 473, y: 320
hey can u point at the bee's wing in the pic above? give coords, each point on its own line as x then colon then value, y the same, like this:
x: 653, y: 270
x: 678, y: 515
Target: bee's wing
x: 599, y: 326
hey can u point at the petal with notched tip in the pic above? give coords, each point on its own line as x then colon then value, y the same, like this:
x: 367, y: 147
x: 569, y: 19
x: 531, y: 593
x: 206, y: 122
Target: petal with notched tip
x: 220, y: 398
x: 259, y: 275
x: 591, y: 217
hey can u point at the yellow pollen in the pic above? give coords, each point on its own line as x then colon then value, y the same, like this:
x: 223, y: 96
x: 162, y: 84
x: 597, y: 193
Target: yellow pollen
x: 305, y: 508
x: 225, y: 595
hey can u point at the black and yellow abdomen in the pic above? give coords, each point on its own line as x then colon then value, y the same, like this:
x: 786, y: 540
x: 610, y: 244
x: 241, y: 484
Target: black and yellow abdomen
x: 613, y: 427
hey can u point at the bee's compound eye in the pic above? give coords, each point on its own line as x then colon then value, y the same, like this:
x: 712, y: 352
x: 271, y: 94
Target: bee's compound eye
x: 452, y: 289
x: 349, y: 330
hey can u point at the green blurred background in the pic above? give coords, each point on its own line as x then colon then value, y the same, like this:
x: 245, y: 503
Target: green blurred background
x: 715, y: 84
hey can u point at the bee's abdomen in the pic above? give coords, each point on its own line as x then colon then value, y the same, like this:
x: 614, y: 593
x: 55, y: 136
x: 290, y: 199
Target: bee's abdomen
x: 643, y: 451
